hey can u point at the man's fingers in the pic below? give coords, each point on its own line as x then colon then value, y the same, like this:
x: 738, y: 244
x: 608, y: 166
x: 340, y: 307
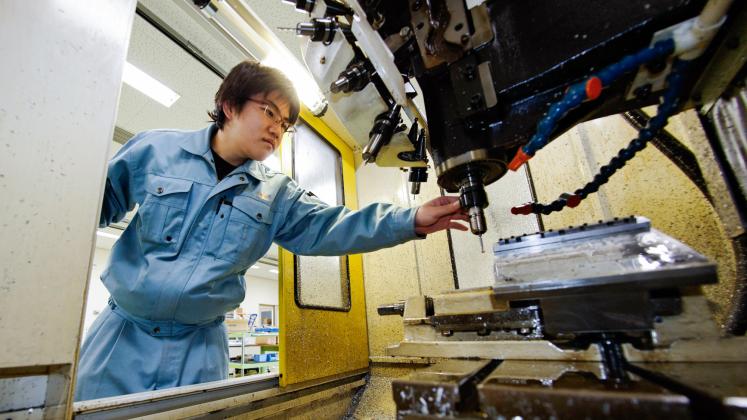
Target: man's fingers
x: 460, y: 216
x: 437, y: 214
x: 444, y: 223
x: 446, y: 199
x: 445, y: 210
x: 458, y: 226
x: 442, y: 201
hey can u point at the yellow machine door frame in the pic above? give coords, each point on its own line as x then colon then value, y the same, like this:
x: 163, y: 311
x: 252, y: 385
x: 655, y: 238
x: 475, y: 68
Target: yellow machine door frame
x: 314, y: 342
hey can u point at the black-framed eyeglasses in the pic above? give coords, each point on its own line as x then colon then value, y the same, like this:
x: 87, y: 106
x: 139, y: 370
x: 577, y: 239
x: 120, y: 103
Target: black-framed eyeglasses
x: 273, y: 114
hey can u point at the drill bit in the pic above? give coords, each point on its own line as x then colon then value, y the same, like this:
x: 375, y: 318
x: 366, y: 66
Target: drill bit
x: 482, y: 247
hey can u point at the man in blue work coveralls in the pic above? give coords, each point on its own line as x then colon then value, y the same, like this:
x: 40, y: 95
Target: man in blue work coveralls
x: 208, y: 210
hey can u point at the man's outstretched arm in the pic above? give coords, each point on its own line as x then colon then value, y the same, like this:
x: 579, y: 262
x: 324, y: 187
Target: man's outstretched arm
x: 311, y: 227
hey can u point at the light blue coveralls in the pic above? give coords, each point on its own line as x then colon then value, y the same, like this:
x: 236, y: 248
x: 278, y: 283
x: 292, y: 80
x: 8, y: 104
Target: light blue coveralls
x: 179, y: 266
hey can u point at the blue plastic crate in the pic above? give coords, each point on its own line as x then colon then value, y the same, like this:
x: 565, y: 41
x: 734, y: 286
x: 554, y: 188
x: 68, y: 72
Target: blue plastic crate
x: 261, y: 357
x: 267, y: 330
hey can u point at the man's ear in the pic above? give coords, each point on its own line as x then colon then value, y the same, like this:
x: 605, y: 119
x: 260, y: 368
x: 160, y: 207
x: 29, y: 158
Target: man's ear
x: 229, y: 110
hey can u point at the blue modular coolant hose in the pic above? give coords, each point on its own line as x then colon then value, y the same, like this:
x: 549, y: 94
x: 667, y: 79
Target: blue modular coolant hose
x: 669, y: 104
x: 587, y: 89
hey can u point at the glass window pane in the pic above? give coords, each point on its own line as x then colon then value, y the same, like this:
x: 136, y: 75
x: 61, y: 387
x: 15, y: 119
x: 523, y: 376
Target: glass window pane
x: 321, y: 282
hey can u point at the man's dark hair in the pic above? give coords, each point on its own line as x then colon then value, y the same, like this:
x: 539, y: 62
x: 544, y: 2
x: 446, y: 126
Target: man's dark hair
x: 247, y: 79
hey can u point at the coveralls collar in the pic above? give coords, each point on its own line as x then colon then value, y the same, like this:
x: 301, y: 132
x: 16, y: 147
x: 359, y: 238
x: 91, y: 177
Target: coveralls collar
x: 199, y: 144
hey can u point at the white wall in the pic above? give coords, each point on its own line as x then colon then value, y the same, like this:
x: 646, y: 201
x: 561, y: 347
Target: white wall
x: 421, y: 267
x: 97, y: 293
x: 475, y: 268
x: 260, y: 291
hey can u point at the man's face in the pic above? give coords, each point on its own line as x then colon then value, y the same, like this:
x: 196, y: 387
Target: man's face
x: 258, y: 128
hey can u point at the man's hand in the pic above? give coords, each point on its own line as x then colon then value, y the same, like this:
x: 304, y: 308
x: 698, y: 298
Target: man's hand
x: 439, y: 214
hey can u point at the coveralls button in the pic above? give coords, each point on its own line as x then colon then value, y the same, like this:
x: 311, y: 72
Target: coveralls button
x: 242, y: 179
x: 156, y: 330
x: 259, y: 216
x: 221, y: 215
x: 159, y: 190
x: 168, y: 239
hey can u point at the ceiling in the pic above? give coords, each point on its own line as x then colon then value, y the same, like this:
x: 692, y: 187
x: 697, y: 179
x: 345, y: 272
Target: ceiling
x: 156, y: 54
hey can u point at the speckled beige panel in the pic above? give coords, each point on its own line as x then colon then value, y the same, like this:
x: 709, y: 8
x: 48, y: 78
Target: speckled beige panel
x: 377, y: 401
x: 411, y: 269
x: 686, y: 127
x: 562, y: 167
x: 390, y: 274
x: 433, y: 257
x: 650, y: 185
x: 475, y: 268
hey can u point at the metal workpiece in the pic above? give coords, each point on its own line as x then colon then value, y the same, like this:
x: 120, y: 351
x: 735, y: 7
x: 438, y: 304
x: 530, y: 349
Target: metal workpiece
x: 617, y: 276
x: 623, y: 254
x: 631, y: 224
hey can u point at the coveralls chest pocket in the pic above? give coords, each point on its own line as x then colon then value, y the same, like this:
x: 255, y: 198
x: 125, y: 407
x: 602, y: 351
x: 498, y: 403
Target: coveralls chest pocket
x: 247, y: 232
x: 163, y: 211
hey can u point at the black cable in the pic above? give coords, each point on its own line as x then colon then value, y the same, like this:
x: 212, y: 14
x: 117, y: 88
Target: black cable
x: 674, y: 150
x: 669, y: 104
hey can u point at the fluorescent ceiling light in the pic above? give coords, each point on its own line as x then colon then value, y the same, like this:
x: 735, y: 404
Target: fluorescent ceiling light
x: 255, y: 266
x: 273, y: 271
x: 151, y: 87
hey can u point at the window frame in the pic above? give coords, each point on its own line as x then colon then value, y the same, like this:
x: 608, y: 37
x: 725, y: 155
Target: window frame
x: 344, y: 267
